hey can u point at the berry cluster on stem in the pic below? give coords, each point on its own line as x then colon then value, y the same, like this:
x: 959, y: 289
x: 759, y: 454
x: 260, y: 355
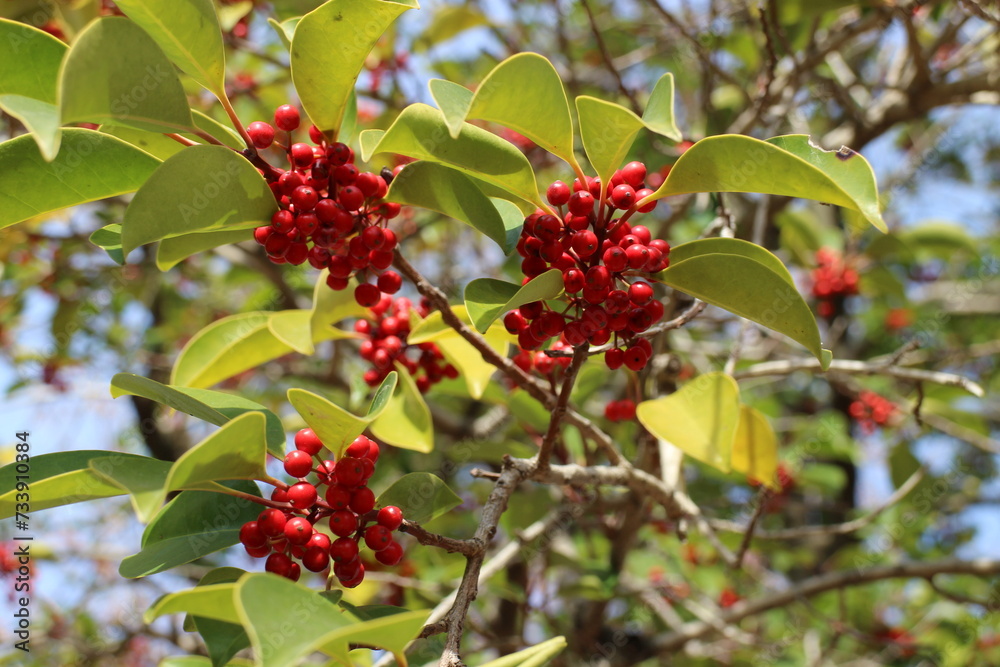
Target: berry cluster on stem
x: 832, y: 281
x: 620, y: 411
x: 332, y: 215
x: 600, y: 255
x: 287, y: 532
x: 871, y: 411
x: 386, y: 331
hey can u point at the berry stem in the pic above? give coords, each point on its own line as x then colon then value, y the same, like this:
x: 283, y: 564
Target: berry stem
x: 181, y: 140
x: 548, y: 442
x: 237, y: 123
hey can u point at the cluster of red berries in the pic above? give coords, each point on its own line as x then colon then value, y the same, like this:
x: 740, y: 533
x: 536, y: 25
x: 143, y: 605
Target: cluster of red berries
x: 832, y: 280
x: 728, y: 597
x: 331, y: 214
x: 540, y: 360
x: 387, y: 331
x: 871, y: 411
x: 620, y: 411
x: 287, y: 529
x: 596, y: 253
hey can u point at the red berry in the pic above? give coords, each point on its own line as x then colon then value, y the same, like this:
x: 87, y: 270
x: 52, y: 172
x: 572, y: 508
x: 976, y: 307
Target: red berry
x: 615, y: 259
x: 344, y: 550
x: 573, y: 281
x: 367, y: 295
x: 390, y: 282
x: 343, y: 523
x: 598, y: 277
x: 390, y: 555
x: 286, y: 117
x: 390, y: 517
x: 283, y: 221
x: 351, y: 198
x: 298, y: 463
x: 623, y: 196
x: 316, y: 559
x: 638, y: 256
x: 350, y: 471
x: 373, y: 237
x: 634, y: 173
x: 258, y: 552
x: 319, y: 540
x: 298, y: 530
x: 368, y: 183
x: 373, y: 452
x: 641, y: 194
x: 362, y: 500
x: 356, y: 580
x: 339, y: 153
x: 261, y: 134
x: 304, y: 198
x: 584, y: 243
x: 279, y: 564
x: 514, y: 322
x: 260, y: 234
x: 558, y: 193
x: 377, y: 537
x: 302, y: 495
x: 581, y: 203
x: 279, y: 496
x: 614, y: 358
x: 640, y: 293
x: 359, y: 447
x: 252, y: 536
x: 315, y: 135
x: 338, y: 497
x: 636, y: 358
x: 272, y: 522
x: 301, y: 154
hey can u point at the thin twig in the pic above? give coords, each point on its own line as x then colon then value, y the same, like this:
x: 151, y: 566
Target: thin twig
x: 555, y: 421
x: 608, y: 60
x: 852, y: 367
x: 982, y: 567
x: 834, y: 529
x: 762, y: 499
x: 449, y: 544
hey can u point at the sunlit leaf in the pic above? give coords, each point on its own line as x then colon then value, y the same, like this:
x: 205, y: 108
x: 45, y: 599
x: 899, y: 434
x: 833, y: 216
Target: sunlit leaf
x: 755, y: 449
x: 422, y: 496
x: 700, y: 418
x: 334, y: 425
x: 487, y: 299
x: 406, y: 421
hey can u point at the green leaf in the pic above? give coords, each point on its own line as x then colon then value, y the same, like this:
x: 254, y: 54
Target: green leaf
x: 116, y: 73
x: 524, y: 93
x: 450, y: 192
x: 607, y: 131
x: 334, y: 425
x: 62, y: 478
x: 227, y: 347
x: 420, y: 132
x: 188, y: 32
x: 215, y: 407
x: 90, y: 165
x: 324, y: 77
x: 938, y: 238
x: 448, y: 21
x: 406, y: 421
x: 109, y: 237
x: 193, y: 524
x: 156, y: 144
x: 659, y: 114
x: 235, y: 451
x: 223, y: 640
x: 422, y: 496
x: 28, y: 90
x: 700, y: 418
x: 301, y: 329
x: 202, y: 188
x: 255, y: 596
x: 172, y: 251
x: 748, y: 284
x: 724, y: 246
x: 534, y: 656
x: 214, y: 601
x: 790, y: 166
x: 755, y: 448
x: 391, y: 632
x: 474, y: 370
x: 487, y: 299
x: 142, y: 478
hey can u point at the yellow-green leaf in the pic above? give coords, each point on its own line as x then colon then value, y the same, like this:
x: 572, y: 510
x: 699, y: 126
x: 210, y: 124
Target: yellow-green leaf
x: 755, y: 449
x: 406, y: 422
x: 700, y: 418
